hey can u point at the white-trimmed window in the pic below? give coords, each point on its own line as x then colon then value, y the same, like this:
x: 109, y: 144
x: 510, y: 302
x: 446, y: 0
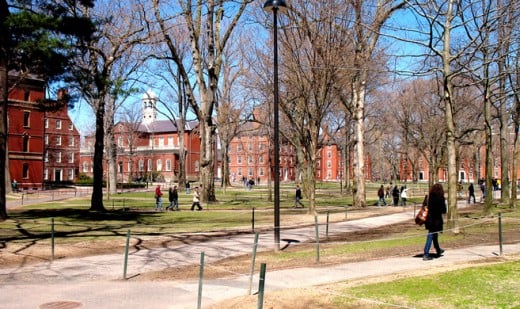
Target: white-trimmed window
x: 58, y: 124
x: 71, y: 174
x: 149, y: 165
x: 46, y: 139
x: 168, y: 165
x: 71, y: 141
x: 46, y: 121
x: 85, y: 167
x: 58, y: 157
x: 58, y: 140
x: 141, y: 165
x: 46, y: 174
x: 159, y: 165
x: 71, y: 157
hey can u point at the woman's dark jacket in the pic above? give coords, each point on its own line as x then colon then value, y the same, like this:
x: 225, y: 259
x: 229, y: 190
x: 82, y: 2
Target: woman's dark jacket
x: 436, y: 207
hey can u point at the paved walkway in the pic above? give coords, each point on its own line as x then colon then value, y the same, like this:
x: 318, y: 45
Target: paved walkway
x: 95, y: 281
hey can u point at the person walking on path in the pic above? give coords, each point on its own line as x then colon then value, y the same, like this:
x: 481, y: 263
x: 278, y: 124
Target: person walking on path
x: 434, y: 222
x: 381, y: 195
x: 404, y: 195
x: 158, y: 198
x: 471, y: 193
x: 298, y: 197
x: 395, y: 195
x: 187, y: 186
x: 196, y: 199
x: 173, y: 197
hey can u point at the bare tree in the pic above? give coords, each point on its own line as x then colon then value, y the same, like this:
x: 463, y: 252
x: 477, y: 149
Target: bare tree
x: 210, y: 25
x: 368, y: 20
x: 102, y: 75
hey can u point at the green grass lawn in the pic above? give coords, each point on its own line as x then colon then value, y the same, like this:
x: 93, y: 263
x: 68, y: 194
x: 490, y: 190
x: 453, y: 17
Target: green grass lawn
x: 491, y: 286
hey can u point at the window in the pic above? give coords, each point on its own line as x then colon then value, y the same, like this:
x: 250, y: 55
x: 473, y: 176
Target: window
x: 159, y: 165
x: 58, y: 157
x: 25, y: 170
x: 85, y: 167
x: 71, y: 157
x: 141, y: 165
x: 120, y: 141
x: 170, y: 141
x: 250, y: 172
x: 58, y: 124
x: 239, y: 160
x: 120, y: 167
x: 46, y: 123
x: 45, y: 174
x: 261, y: 159
x: 168, y: 165
x: 71, y: 141
x: 46, y: 157
x: 58, y: 140
x: 239, y: 147
x: 71, y: 127
x: 26, y: 122
x: 239, y: 171
x: 261, y: 146
x: 329, y: 164
x: 329, y: 154
x: 149, y: 165
x: 261, y: 171
x: 161, y: 142
x: 249, y: 159
x: 129, y: 166
x: 71, y: 174
x: 26, y: 95
x: 150, y: 142
x: 25, y: 143
x: 46, y: 139
x: 249, y: 147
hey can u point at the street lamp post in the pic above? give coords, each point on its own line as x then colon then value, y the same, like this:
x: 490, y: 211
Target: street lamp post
x: 275, y: 6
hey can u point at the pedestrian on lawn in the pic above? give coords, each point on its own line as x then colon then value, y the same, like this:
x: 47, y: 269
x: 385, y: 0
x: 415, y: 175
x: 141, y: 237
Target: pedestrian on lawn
x: 158, y: 198
x: 381, y: 195
x: 471, y: 193
x: 173, y: 197
x: 196, y: 199
x: 298, y: 197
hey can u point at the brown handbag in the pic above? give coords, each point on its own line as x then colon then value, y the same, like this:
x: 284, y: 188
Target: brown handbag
x: 421, y: 216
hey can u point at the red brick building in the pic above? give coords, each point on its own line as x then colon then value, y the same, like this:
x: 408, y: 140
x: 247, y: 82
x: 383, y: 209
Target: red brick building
x: 250, y: 157
x: 43, y: 145
x: 149, y: 150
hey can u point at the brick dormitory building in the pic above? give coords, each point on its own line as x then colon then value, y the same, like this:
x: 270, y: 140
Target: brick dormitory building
x: 43, y: 144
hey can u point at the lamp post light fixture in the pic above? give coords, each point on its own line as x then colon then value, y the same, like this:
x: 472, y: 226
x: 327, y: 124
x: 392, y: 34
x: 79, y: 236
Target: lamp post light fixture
x: 275, y: 6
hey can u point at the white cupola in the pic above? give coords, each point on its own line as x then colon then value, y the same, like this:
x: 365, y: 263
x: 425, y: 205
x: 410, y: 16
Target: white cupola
x: 149, y: 107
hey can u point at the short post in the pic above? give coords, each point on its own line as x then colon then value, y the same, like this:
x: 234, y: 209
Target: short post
x: 52, y: 239
x: 261, y: 285
x: 500, y: 232
x: 253, y: 219
x: 126, y: 254
x: 327, y: 226
x: 201, y: 276
x: 253, y: 258
x: 317, y: 240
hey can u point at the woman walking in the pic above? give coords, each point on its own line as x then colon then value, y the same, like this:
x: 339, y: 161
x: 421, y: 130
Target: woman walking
x: 434, y: 222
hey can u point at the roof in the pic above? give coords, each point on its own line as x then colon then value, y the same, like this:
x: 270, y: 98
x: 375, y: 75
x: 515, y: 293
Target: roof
x: 162, y: 126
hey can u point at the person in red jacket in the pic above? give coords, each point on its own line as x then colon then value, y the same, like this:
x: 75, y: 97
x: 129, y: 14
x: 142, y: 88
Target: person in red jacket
x: 158, y: 198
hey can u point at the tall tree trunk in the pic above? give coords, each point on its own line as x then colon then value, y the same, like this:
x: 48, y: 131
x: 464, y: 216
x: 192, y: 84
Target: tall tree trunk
x: 4, y: 186
x: 96, y: 202
x: 359, y: 147
x: 450, y: 124
x: 207, y: 168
